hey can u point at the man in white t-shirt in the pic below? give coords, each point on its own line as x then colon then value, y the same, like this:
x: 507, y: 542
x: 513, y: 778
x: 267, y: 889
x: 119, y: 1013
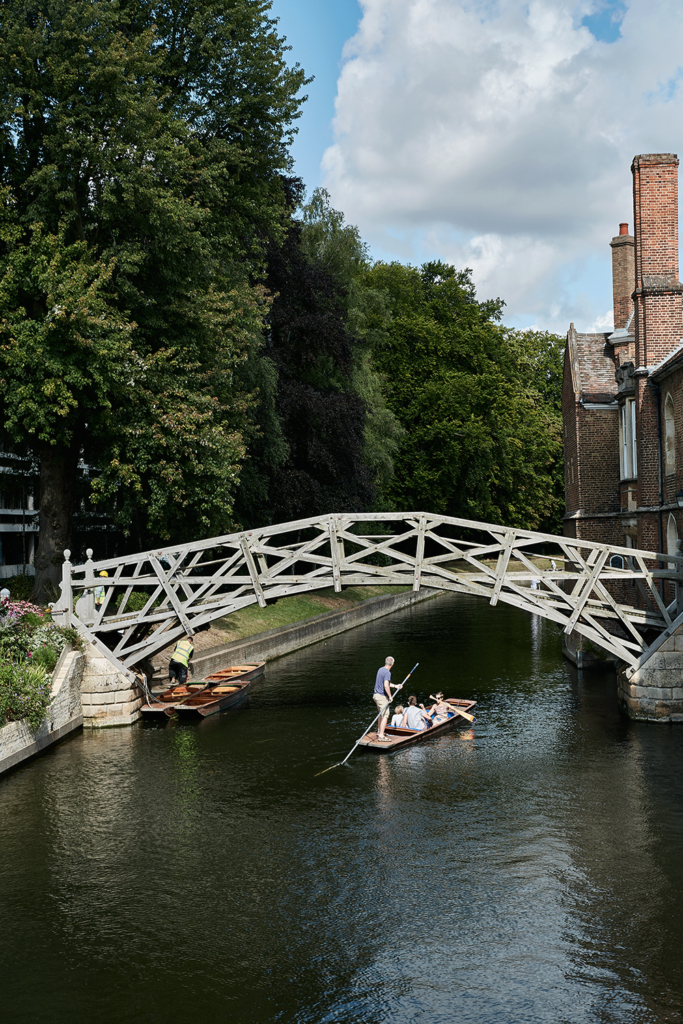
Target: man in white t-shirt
x: 414, y: 717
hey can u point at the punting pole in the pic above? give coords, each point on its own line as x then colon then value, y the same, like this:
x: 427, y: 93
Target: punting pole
x: 340, y: 763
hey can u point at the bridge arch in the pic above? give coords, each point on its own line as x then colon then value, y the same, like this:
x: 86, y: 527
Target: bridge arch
x: 154, y: 597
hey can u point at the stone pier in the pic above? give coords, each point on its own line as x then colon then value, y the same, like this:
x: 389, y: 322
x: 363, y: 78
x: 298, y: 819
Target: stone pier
x: 108, y: 697
x: 654, y: 692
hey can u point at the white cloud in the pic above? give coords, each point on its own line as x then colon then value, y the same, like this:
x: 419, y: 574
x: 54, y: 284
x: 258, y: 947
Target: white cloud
x: 500, y: 135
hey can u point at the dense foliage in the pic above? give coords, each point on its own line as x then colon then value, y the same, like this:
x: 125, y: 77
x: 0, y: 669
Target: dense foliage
x: 315, y: 429
x: 479, y: 402
x: 211, y: 350
x: 30, y: 646
x: 141, y: 151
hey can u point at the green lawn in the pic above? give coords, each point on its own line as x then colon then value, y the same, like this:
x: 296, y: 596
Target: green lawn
x: 287, y: 610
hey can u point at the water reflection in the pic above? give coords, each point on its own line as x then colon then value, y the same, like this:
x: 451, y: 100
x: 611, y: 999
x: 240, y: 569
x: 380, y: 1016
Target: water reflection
x: 526, y: 868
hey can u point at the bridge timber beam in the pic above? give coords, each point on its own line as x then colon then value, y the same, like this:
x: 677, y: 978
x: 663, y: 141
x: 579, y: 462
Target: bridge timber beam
x: 615, y: 597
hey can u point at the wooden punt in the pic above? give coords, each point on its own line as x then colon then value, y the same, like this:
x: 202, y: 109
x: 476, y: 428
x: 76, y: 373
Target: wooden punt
x: 161, y: 702
x: 400, y: 738
x: 166, y: 702
x: 210, y: 702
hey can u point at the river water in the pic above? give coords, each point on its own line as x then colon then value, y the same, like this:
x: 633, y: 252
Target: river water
x: 528, y: 868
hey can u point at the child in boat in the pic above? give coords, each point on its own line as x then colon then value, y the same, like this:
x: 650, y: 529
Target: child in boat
x: 414, y: 717
x: 397, y: 717
x: 441, y: 711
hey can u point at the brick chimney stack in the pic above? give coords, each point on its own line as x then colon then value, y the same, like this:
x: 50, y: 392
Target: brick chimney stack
x: 657, y: 295
x: 623, y: 275
x: 658, y: 318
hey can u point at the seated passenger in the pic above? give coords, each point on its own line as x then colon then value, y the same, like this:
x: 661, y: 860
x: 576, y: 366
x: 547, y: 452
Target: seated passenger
x: 441, y: 711
x: 415, y: 717
x: 397, y: 717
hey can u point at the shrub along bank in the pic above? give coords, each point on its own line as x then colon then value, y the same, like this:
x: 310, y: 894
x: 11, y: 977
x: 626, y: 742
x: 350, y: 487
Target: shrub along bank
x: 30, y: 646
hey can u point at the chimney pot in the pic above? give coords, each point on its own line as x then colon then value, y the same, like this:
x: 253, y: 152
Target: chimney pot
x: 623, y: 229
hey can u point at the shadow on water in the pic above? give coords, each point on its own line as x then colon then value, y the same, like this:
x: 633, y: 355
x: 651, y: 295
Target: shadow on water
x: 525, y: 869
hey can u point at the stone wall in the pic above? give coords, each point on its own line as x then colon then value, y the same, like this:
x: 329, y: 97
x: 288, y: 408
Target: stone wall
x: 583, y: 653
x: 654, y: 693
x: 19, y: 742
x: 109, y: 698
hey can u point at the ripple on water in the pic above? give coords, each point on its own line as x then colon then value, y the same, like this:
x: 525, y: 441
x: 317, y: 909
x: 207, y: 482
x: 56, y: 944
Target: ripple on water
x: 525, y: 869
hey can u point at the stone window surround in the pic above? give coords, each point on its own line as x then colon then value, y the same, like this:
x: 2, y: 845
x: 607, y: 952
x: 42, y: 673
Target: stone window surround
x: 628, y: 445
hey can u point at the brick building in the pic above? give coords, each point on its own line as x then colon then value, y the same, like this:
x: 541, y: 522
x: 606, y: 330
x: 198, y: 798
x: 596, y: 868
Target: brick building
x: 622, y: 400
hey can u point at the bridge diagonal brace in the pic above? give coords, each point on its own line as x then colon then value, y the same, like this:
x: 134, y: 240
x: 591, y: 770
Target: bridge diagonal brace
x: 253, y: 571
x: 599, y: 588
x: 334, y: 553
x: 653, y: 589
x: 502, y: 567
x: 419, y: 553
x: 587, y: 591
x: 171, y: 595
x: 103, y: 649
x: 624, y: 619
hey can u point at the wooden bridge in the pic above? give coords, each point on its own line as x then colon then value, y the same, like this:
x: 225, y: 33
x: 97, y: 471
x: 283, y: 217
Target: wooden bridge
x: 624, y: 600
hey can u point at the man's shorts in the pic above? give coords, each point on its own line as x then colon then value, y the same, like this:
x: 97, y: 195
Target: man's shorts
x: 382, y: 702
x: 177, y: 671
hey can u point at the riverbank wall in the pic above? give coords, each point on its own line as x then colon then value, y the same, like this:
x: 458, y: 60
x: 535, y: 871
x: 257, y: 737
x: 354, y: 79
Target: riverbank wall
x: 19, y: 742
x: 277, y: 642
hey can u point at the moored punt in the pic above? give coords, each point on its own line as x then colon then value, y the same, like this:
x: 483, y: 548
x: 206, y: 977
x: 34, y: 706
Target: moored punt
x: 161, y: 702
x: 210, y: 702
x: 164, y: 704
x: 235, y: 672
x: 405, y: 737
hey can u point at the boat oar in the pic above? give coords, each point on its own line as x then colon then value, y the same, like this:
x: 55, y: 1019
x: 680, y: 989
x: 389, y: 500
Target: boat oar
x: 340, y: 763
x: 454, y: 707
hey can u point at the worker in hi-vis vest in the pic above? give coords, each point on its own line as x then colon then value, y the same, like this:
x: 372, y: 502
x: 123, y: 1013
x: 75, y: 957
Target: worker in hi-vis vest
x: 99, y: 593
x: 180, y: 661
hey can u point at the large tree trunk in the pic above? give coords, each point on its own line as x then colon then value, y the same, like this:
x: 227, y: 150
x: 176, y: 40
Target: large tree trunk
x: 57, y: 489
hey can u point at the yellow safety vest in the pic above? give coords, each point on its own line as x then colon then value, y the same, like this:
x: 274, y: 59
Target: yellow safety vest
x: 183, y: 652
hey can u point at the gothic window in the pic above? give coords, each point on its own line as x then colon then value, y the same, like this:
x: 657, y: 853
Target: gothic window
x: 671, y: 539
x: 669, y: 435
x: 628, y: 452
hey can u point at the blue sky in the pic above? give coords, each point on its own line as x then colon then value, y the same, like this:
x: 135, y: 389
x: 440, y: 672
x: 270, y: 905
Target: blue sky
x: 316, y: 30
x: 496, y: 134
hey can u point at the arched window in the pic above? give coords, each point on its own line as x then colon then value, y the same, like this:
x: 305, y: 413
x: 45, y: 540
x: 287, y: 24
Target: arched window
x: 670, y: 436
x: 671, y: 539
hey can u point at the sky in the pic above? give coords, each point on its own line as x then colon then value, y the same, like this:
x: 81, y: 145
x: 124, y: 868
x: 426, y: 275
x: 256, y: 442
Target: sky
x: 493, y: 134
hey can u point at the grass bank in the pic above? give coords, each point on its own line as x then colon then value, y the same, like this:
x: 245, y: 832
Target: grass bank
x: 288, y: 610
x: 285, y: 611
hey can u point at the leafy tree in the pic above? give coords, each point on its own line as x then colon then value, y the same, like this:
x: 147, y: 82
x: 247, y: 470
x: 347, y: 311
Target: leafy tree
x: 141, y: 152
x: 311, y: 460
x: 477, y: 401
x: 337, y: 247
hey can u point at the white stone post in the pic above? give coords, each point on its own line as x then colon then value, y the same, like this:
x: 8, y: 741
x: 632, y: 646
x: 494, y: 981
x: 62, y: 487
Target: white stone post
x: 61, y: 611
x: 85, y: 606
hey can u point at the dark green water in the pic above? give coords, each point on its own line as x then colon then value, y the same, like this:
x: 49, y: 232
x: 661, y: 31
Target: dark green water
x: 527, y: 869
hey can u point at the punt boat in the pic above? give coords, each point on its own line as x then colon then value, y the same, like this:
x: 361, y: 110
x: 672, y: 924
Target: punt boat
x: 166, y: 702
x: 400, y: 738
x: 210, y: 702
